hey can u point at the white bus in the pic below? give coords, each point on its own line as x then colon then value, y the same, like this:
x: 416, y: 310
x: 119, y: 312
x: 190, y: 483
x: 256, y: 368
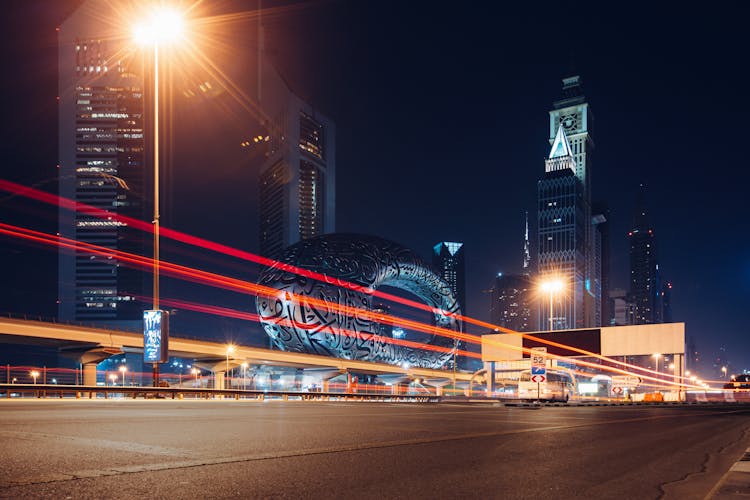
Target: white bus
x: 560, y: 385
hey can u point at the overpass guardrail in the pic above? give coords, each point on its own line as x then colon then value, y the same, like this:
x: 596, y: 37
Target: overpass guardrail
x: 41, y: 391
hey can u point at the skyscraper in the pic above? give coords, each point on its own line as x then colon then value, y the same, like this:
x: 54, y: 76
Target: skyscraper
x: 448, y: 263
x: 298, y: 176
x: 511, y: 303
x: 102, y: 163
x: 601, y: 220
x: 644, y: 278
x: 568, y: 247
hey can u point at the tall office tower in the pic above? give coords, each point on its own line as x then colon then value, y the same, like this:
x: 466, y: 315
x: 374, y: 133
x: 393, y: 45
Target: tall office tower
x: 448, y: 262
x: 644, y: 280
x: 511, y: 297
x: 666, y: 302
x: 102, y: 164
x: 298, y: 176
x: 567, y: 241
x: 601, y: 220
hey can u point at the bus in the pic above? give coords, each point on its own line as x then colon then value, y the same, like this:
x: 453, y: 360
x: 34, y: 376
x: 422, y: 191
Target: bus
x: 560, y: 385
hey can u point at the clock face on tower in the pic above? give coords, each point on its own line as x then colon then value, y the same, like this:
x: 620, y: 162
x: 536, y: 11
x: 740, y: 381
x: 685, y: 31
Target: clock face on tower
x: 569, y: 122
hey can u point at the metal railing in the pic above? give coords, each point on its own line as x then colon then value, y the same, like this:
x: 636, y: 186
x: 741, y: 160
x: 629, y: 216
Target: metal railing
x: 41, y: 391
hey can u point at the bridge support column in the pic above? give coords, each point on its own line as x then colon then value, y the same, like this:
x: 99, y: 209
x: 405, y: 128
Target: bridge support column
x: 489, y: 366
x: 220, y: 380
x: 89, y: 373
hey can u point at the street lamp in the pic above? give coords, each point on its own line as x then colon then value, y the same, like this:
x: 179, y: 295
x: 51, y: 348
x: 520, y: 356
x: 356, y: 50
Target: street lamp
x: 724, y: 371
x: 162, y: 27
x: 34, y: 374
x: 123, y: 369
x: 551, y: 286
x: 113, y: 378
x: 656, y: 356
x: 195, y: 373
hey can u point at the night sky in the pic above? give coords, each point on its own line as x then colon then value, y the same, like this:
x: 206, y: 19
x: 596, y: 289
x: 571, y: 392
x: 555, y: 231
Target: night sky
x: 442, y: 127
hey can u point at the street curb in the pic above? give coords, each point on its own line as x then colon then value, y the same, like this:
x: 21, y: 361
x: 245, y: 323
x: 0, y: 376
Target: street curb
x: 735, y: 483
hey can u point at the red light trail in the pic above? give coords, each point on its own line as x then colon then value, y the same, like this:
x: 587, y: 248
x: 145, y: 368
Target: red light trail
x: 204, y: 277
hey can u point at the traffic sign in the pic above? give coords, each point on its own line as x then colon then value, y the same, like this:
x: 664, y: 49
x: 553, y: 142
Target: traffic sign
x: 538, y: 361
x: 538, y: 378
x: 625, y: 381
x: 617, y: 390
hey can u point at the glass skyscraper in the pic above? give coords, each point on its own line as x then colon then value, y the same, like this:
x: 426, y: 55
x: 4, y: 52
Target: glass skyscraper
x: 448, y: 263
x: 102, y: 164
x: 298, y: 175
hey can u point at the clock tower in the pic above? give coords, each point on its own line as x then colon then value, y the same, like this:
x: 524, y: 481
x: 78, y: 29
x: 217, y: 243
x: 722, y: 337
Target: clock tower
x: 573, y: 114
x: 568, y: 240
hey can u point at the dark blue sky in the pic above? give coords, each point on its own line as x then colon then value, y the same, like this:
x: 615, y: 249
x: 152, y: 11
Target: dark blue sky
x: 441, y: 114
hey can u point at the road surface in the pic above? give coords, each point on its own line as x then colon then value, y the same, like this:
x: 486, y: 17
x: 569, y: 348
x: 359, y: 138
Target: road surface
x: 236, y: 449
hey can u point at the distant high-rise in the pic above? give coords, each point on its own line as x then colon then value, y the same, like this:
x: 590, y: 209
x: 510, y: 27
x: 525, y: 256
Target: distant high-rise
x: 511, y: 302
x: 102, y: 163
x: 568, y: 248
x: 644, y: 279
x: 622, y: 308
x: 448, y: 263
x: 666, y: 302
x: 600, y: 219
x: 298, y: 176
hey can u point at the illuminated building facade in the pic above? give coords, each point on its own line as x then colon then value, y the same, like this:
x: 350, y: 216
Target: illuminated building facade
x: 298, y: 175
x: 569, y: 247
x: 448, y: 262
x: 102, y: 164
x: 511, y: 302
x: 323, y: 328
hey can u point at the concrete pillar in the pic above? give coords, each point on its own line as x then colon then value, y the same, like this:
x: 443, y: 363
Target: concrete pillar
x: 89, y: 373
x: 679, y: 375
x: 489, y: 367
x: 219, y: 380
x: 326, y: 385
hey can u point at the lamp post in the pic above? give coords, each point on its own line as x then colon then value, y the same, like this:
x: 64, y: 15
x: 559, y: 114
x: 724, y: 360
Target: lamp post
x: 656, y: 356
x: 123, y: 369
x: 113, y: 378
x: 34, y: 374
x: 552, y: 286
x: 163, y: 26
x: 724, y: 372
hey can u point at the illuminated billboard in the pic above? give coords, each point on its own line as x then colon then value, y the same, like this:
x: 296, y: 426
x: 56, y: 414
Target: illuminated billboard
x: 155, y: 336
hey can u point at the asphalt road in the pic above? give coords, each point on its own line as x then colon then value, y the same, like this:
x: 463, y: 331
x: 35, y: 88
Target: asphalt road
x: 235, y: 449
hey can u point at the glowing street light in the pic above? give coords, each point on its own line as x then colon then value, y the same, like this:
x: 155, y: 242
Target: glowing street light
x: 724, y: 371
x: 162, y: 26
x: 113, y: 378
x: 551, y: 286
x: 656, y: 356
x: 34, y: 374
x: 123, y: 369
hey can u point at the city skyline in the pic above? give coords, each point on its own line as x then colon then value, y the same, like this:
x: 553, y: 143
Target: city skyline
x: 435, y: 132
